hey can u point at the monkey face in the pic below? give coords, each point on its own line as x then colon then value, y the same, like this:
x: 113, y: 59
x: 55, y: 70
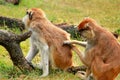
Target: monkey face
x: 85, y: 30
x: 86, y: 33
x: 27, y: 18
x: 32, y: 15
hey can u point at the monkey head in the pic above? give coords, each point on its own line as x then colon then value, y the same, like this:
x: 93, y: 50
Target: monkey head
x: 85, y: 28
x: 32, y: 15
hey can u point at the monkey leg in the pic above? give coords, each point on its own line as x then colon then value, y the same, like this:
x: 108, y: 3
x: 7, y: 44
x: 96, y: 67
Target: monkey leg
x: 45, y: 60
x: 103, y: 71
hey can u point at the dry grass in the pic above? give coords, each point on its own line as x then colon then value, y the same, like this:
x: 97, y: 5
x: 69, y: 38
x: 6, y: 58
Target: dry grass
x: 106, y: 12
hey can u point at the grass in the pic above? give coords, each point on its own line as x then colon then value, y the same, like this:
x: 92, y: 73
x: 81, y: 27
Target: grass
x: 105, y: 12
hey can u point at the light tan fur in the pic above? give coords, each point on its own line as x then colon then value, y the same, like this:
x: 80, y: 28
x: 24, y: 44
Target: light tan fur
x: 102, y: 53
x: 46, y: 33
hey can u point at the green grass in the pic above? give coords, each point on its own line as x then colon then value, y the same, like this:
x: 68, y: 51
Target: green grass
x: 105, y: 12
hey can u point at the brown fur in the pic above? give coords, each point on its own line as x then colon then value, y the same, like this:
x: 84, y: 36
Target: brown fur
x: 53, y: 36
x: 102, y: 56
x: 105, y: 54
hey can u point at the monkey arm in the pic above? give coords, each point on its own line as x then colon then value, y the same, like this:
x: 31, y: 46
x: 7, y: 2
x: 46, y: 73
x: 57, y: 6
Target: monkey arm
x: 32, y: 52
x: 79, y: 53
x: 83, y: 44
x: 81, y: 56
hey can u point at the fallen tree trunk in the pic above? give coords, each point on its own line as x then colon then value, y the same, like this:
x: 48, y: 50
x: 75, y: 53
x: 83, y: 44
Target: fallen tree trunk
x: 12, y: 23
x: 12, y: 44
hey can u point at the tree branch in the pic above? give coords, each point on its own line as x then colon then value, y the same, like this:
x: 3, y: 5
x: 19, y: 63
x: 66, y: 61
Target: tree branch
x: 11, y: 22
x: 11, y: 42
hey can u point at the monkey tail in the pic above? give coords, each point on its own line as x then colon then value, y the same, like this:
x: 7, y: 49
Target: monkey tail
x: 74, y: 48
x: 79, y: 53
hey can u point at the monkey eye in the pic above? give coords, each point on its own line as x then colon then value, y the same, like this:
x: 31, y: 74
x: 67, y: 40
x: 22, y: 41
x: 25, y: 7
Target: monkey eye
x: 27, y: 12
x: 84, y: 29
x: 87, y: 28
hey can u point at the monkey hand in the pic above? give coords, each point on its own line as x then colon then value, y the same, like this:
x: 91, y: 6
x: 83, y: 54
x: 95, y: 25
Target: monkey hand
x: 67, y: 42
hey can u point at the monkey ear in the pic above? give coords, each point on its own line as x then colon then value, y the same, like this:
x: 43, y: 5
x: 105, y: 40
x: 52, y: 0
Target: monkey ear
x: 87, y: 26
x: 30, y: 15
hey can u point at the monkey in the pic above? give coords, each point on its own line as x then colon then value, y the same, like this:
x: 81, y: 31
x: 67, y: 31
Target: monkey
x: 47, y: 39
x: 102, y: 50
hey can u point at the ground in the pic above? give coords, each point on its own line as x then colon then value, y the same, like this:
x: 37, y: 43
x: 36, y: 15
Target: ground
x: 105, y: 12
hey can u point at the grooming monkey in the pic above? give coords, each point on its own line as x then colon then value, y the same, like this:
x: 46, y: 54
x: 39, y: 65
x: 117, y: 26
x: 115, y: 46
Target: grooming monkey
x: 48, y: 40
x: 102, y: 53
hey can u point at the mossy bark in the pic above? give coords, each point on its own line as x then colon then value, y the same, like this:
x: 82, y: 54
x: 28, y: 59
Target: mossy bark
x: 11, y: 23
x: 11, y: 42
